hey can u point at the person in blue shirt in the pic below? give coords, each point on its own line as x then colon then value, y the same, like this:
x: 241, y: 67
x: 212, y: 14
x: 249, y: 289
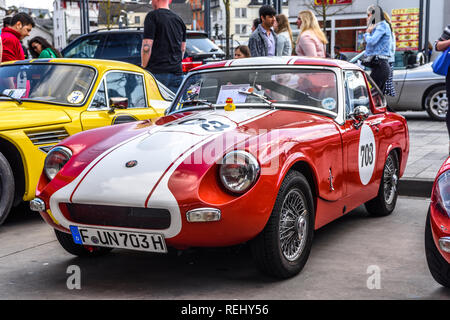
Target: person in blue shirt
x: 390, y: 88
x: 441, y: 45
x: 378, y: 38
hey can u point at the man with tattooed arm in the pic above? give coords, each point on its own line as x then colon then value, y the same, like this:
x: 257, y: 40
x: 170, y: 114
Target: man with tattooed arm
x: 164, y: 44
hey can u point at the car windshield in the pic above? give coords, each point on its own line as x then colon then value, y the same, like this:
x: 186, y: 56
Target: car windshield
x: 269, y: 86
x: 54, y: 83
x: 199, y: 44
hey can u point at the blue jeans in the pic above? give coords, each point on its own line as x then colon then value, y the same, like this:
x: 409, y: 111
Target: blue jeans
x: 170, y: 80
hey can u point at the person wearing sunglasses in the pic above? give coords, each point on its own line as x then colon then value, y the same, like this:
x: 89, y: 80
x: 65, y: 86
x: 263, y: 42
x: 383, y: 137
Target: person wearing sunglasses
x: 378, y: 38
x: 40, y: 48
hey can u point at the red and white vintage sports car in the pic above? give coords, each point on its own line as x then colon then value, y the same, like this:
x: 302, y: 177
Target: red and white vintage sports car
x: 258, y: 150
x: 437, y: 228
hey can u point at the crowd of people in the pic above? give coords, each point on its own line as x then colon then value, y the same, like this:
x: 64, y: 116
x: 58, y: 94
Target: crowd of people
x: 164, y: 42
x: 15, y: 30
x: 272, y: 36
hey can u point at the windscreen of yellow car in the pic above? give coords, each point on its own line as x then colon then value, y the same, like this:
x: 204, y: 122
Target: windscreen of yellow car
x: 49, y: 83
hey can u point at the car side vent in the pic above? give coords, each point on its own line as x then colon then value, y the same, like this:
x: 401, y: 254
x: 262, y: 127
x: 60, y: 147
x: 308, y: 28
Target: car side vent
x: 47, y: 137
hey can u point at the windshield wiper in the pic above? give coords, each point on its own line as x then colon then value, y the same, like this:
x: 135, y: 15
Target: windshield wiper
x: 260, y: 96
x: 15, y: 99
x: 198, y: 101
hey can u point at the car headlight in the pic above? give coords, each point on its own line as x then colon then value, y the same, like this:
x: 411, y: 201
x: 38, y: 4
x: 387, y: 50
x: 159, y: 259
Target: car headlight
x: 441, y: 193
x: 55, y: 160
x: 239, y: 171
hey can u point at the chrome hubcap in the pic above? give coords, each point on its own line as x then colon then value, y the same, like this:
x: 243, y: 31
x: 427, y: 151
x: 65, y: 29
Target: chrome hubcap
x: 390, y: 178
x: 293, y: 228
x: 439, y: 103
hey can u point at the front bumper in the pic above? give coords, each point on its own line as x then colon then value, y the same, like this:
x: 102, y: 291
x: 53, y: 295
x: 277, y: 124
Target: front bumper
x: 199, y: 225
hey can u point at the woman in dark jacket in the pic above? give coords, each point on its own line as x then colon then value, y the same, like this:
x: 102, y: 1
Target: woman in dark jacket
x: 40, y: 48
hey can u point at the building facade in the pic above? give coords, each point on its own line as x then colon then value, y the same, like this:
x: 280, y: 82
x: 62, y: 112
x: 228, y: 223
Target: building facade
x: 67, y: 17
x: 132, y: 14
x: 198, y: 15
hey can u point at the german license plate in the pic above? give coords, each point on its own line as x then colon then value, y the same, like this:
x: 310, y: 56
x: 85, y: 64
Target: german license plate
x: 153, y: 242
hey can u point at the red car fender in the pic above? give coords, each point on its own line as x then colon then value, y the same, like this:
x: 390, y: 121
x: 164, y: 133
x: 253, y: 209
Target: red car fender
x: 400, y: 155
x: 294, y: 160
x: 440, y: 224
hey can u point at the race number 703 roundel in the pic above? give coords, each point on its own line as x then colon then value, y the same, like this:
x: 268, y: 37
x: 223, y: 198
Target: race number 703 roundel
x: 366, y: 154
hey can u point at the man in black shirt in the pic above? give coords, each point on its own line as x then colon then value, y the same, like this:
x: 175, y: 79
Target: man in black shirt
x: 164, y: 44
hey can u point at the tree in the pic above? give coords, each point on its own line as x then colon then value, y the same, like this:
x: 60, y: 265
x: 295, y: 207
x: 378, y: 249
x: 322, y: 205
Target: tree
x: 110, y: 11
x: 227, y: 4
x: 12, y: 10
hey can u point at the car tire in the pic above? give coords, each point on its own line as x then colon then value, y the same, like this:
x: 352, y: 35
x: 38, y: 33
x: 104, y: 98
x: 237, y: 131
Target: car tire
x: 384, y: 203
x: 435, y: 103
x: 7, y: 188
x: 438, y: 266
x: 66, y: 241
x: 286, y: 258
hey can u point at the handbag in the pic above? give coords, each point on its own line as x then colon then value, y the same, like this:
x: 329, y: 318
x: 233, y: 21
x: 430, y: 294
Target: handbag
x: 370, y: 61
x: 441, y: 64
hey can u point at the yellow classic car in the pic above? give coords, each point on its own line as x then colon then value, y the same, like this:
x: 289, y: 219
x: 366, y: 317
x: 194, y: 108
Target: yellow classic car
x: 43, y: 101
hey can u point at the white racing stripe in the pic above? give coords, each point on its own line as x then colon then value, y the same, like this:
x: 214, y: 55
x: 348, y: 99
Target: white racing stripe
x: 106, y: 181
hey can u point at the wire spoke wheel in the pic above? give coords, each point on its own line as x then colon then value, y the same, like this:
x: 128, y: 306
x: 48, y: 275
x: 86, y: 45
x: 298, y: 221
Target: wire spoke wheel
x: 384, y: 203
x: 283, y: 247
x: 293, y: 226
x: 390, y: 178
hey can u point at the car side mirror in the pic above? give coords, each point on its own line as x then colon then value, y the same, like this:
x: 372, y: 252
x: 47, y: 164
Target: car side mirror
x: 118, y: 103
x: 359, y: 115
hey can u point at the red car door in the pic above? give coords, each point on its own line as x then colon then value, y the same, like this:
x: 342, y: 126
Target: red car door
x: 361, y: 143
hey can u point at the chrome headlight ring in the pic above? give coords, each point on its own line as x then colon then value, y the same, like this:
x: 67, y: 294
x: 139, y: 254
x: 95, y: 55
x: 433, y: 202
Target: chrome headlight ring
x: 239, y: 171
x: 55, y: 161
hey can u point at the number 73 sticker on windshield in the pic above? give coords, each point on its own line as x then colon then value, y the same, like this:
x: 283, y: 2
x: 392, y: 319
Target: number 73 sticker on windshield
x: 366, y: 154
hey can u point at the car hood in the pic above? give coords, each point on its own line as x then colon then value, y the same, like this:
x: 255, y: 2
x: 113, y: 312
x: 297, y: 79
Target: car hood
x: 14, y: 116
x: 155, y: 153
x: 147, y: 160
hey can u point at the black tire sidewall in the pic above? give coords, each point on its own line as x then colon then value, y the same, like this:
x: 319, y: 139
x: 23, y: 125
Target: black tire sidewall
x: 390, y: 207
x: 268, y: 241
x: 7, y: 188
x: 438, y: 266
x: 378, y: 206
x: 298, y: 182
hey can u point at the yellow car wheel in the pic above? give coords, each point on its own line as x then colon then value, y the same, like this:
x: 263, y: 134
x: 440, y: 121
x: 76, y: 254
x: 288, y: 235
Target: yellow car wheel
x: 6, y: 188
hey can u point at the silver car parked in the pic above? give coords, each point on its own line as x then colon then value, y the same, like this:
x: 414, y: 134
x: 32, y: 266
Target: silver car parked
x: 418, y: 87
